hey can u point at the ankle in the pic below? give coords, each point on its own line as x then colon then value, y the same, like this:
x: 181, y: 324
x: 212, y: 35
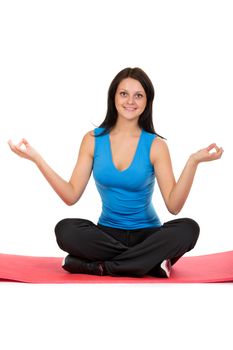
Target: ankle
x: 102, y: 268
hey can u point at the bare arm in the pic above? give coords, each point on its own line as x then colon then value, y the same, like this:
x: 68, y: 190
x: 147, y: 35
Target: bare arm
x: 175, y: 193
x: 69, y: 191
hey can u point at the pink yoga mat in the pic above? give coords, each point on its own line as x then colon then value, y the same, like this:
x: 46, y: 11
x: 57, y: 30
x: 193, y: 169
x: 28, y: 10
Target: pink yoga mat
x: 191, y: 269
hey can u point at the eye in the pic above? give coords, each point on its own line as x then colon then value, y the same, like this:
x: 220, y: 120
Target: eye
x: 123, y: 93
x: 139, y: 95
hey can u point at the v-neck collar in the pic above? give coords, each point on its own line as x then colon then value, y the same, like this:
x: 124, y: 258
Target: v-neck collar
x: 136, y: 151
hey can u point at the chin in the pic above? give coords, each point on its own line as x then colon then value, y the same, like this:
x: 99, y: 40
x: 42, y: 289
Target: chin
x: 129, y: 114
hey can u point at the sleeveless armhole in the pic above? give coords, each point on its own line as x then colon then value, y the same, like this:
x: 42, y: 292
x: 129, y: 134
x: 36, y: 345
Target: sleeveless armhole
x: 151, y: 138
x: 97, y: 131
x: 94, y: 154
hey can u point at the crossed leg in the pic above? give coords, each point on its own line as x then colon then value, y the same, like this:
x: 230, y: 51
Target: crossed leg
x: 83, y: 239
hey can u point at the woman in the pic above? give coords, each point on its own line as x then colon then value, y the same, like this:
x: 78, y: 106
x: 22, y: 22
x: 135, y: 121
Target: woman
x: 125, y: 153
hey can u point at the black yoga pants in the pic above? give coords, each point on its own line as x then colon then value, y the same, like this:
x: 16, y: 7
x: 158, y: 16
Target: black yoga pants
x: 127, y: 252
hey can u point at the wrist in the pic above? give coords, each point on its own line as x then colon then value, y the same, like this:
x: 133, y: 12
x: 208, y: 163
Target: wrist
x: 37, y: 159
x: 193, y: 160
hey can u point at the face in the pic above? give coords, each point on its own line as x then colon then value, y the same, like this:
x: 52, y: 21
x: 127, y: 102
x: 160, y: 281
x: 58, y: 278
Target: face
x: 130, y: 99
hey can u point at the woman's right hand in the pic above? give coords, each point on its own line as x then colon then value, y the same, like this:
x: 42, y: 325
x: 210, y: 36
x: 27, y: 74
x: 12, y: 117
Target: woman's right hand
x: 69, y: 191
x: 24, y: 150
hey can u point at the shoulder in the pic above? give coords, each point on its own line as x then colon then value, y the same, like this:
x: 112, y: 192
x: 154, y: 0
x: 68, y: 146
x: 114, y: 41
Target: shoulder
x: 90, y: 134
x: 88, y: 142
x: 88, y: 137
x: 159, y: 149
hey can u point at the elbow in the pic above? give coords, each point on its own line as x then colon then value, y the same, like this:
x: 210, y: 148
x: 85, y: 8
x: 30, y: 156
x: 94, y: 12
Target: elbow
x: 174, y: 211
x: 173, y: 208
x: 70, y: 197
x: 70, y: 201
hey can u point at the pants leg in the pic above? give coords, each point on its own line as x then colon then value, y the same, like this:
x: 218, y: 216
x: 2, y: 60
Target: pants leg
x: 127, y: 252
x: 171, y: 241
x: 83, y: 239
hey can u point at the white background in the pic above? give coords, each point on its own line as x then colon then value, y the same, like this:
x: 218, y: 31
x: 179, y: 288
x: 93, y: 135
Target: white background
x: 56, y: 63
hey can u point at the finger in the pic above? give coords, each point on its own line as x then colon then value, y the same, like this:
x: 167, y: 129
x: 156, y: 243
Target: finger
x: 12, y: 146
x: 15, y: 149
x: 213, y: 148
x: 25, y: 142
x: 20, y: 143
x: 220, y: 151
x: 10, y: 143
x: 19, y: 148
x: 210, y: 147
x: 218, y: 154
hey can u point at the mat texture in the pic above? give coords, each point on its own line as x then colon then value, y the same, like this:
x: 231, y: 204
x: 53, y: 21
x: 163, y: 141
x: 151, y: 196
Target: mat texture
x: 191, y: 269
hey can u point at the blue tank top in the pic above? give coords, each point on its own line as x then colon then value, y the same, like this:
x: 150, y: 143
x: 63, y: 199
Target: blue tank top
x: 126, y: 195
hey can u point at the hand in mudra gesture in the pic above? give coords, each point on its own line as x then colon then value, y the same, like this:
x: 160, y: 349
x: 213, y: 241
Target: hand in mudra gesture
x: 205, y: 154
x: 24, y: 150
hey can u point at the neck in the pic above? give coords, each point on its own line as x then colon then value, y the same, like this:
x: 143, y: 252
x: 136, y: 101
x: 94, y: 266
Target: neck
x: 126, y: 127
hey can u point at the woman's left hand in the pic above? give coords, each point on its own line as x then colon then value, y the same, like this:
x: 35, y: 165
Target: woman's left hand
x: 205, y: 154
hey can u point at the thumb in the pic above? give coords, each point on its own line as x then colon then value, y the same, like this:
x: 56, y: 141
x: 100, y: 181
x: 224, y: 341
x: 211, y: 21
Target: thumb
x: 25, y: 142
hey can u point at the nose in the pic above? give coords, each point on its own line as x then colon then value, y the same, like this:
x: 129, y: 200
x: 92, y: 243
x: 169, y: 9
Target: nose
x: 130, y: 99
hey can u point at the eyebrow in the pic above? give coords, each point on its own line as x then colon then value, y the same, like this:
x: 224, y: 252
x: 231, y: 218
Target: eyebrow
x: 136, y: 92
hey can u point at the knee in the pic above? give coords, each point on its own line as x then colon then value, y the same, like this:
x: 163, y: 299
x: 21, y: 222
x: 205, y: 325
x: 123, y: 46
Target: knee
x: 61, y: 229
x: 192, y: 225
x: 70, y: 230
x: 61, y: 226
x: 191, y: 229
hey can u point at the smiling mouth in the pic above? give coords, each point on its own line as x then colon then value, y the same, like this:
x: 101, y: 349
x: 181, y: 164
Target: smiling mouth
x: 130, y: 108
